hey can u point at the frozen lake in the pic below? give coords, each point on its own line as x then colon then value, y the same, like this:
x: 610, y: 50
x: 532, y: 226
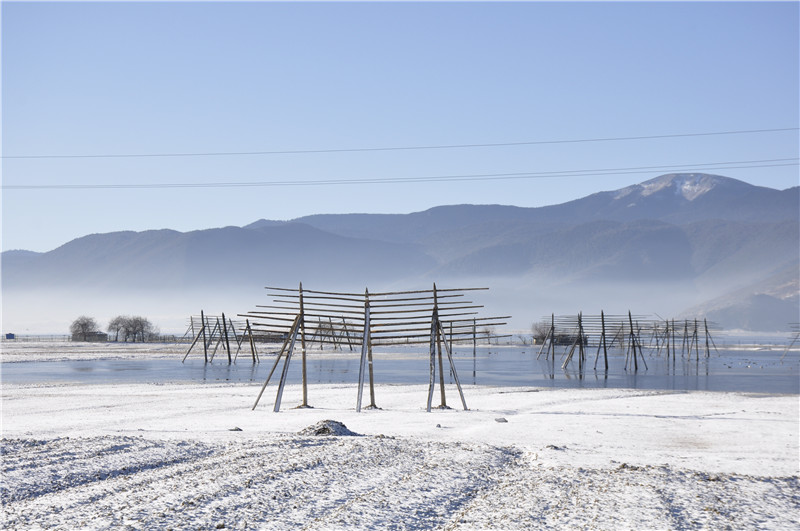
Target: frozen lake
x: 728, y: 370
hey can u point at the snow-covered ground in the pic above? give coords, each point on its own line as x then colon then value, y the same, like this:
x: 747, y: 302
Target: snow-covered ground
x: 195, y: 456
x: 17, y: 351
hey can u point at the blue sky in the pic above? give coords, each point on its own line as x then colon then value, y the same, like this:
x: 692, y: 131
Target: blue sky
x: 149, y: 78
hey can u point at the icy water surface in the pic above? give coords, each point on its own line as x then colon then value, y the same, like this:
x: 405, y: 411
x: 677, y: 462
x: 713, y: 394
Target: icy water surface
x: 729, y: 370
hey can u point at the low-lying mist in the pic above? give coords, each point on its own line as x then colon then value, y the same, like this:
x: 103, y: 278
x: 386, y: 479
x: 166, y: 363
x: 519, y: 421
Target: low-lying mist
x: 527, y: 300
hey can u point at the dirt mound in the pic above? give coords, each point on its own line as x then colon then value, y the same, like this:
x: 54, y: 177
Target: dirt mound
x: 328, y: 427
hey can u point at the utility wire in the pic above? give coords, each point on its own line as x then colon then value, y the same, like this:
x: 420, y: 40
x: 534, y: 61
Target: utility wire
x: 396, y: 148
x: 764, y: 163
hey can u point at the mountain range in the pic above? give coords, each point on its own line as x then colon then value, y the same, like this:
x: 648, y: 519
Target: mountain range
x: 683, y: 243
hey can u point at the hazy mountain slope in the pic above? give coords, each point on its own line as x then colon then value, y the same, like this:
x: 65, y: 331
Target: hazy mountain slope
x: 678, y: 239
x: 769, y: 305
x: 412, y: 227
x: 225, y: 256
x: 605, y: 250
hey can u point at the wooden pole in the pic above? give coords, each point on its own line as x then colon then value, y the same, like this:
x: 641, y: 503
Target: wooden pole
x: 193, y: 343
x: 439, y: 338
x: 252, y: 343
x: 633, y: 343
x: 581, y: 352
x: 285, y: 372
x: 227, y: 341
x: 291, y: 333
x: 434, y: 318
x: 605, y: 348
x: 205, y: 345
x: 347, y: 334
x: 371, y: 378
x: 453, y: 370
x: 303, y: 346
x: 364, y: 351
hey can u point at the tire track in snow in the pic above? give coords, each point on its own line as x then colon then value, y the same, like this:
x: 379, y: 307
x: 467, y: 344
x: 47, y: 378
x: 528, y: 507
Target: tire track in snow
x: 283, y: 481
x: 530, y: 496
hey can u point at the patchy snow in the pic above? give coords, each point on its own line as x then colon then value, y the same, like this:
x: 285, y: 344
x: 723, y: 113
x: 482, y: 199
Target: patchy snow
x: 690, y: 186
x: 188, y: 456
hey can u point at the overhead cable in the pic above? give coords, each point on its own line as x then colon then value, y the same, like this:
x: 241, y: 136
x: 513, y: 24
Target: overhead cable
x: 393, y: 148
x: 683, y: 168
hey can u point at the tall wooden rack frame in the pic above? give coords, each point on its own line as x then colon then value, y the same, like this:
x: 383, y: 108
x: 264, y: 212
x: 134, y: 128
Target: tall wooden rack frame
x: 435, y: 317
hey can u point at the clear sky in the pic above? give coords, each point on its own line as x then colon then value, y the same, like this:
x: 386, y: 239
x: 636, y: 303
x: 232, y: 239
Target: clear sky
x: 152, y: 78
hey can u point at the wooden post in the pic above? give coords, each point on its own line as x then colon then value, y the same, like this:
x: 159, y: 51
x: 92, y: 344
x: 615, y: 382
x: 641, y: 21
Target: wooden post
x: 474, y: 337
x: 205, y: 345
x: 434, y: 332
x: 685, y: 339
x: 227, y: 341
x: 347, y: 334
x: 366, y: 356
x: 439, y: 338
x: 605, y: 349
x: 474, y: 348
x: 674, y: 345
x: 303, y: 346
x: 252, y: 343
x: 371, y: 378
x: 633, y: 343
x: 581, y: 352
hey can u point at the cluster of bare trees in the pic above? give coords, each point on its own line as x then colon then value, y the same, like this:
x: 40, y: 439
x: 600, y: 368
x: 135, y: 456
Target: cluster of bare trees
x: 123, y: 328
x: 131, y: 328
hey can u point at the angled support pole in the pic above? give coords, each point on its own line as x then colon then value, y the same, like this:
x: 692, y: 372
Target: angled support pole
x: 196, y: 338
x: 453, y: 368
x: 289, y: 338
x: 252, y: 342
x: 365, y: 353
x: 285, y: 371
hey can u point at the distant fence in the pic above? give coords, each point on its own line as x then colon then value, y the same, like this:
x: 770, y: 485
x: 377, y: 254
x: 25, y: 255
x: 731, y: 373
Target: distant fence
x: 34, y: 338
x: 16, y: 338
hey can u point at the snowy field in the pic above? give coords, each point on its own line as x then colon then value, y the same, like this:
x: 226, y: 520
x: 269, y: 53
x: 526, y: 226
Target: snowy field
x: 195, y: 456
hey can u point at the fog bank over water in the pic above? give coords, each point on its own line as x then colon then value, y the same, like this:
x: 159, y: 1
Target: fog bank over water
x: 525, y: 300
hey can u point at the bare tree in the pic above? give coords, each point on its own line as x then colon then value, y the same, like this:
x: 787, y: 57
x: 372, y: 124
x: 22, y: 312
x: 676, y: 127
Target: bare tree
x: 540, y: 330
x: 141, y: 328
x: 488, y: 331
x: 117, y: 325
x: 132, y: 328
x: 82, y: 327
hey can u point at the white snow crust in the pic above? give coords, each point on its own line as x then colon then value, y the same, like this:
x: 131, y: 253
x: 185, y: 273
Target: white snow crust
x: 688, y: 185
x: 195, y: 456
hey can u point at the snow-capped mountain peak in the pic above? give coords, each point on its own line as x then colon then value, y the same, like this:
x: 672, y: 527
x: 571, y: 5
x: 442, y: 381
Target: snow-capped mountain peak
x: 690, y: 186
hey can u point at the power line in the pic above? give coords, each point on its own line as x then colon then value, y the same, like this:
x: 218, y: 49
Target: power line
x: 396, y: 148
x: 706, y: 166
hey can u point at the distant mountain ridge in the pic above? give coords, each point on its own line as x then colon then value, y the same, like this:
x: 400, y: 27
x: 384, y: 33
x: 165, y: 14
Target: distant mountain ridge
x: 707, y: 231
